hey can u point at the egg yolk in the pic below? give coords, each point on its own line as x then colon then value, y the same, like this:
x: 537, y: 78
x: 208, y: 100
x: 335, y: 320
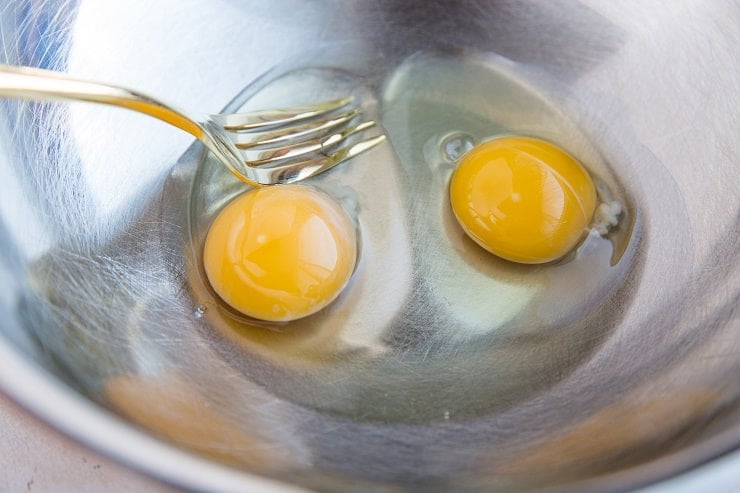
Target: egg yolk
x: 522, y: 199
x: 280, y: 253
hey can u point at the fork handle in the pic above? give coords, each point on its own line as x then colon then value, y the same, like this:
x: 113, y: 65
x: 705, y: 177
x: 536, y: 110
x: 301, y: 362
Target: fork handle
x: 39, y: 84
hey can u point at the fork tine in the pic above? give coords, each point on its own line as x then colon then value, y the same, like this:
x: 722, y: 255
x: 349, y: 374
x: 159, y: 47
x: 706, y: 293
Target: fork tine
x: 354, y: 150
x: 324, y: 144
x: 256, y: 120
x: 307, y: 131
x: 296, y: 170
x: 291, y: 144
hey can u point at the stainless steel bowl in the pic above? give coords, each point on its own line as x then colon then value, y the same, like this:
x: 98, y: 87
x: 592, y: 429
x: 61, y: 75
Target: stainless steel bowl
x: 439, y: 369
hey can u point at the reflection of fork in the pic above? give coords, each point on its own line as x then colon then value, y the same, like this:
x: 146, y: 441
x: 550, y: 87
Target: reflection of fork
x: 260, y: 148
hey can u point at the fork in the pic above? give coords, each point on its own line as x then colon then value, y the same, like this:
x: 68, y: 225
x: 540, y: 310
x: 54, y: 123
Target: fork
x: 261, y: 147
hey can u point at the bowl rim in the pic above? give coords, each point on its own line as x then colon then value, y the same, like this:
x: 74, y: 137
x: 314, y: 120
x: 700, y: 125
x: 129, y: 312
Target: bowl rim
x: 33, y: 387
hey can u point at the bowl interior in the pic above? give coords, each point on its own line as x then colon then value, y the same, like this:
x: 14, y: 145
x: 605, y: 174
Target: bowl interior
x: 440, y: 366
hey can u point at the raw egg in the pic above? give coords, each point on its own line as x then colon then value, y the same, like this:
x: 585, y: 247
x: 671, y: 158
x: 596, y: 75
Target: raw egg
x: 280, y: 253
x: 522, y: 199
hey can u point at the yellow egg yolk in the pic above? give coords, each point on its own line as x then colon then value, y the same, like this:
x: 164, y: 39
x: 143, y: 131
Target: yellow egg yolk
x: 522, y: 199
x: 280, y: 253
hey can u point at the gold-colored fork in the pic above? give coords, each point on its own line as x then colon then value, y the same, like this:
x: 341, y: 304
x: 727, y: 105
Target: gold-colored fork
x: 261, y: 148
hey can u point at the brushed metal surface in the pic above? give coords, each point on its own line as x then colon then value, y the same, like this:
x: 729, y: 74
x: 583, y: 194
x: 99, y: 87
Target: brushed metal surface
x: 615, y: 380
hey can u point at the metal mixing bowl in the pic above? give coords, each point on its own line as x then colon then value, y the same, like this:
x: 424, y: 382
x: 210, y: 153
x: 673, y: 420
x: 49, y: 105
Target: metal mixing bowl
x: 109, y: 333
